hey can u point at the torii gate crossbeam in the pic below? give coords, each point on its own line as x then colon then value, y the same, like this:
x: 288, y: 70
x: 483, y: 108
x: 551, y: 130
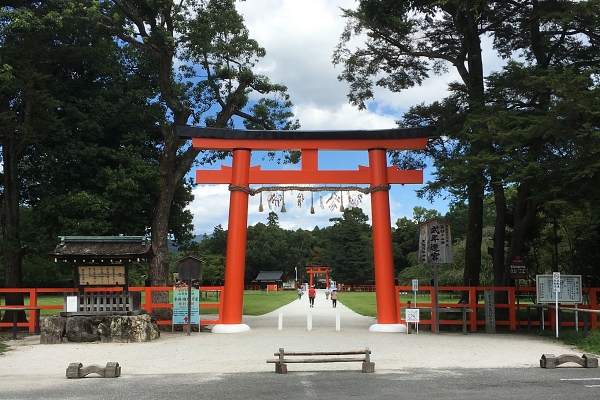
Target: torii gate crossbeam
x: 241, y: 175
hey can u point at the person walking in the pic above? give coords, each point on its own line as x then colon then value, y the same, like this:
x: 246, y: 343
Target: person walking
x: 334, y: 297
x: 312, y: 293
x: 300, y: 292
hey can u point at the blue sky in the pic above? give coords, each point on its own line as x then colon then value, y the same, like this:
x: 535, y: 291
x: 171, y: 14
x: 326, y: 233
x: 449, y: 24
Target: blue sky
x: 300, y: 37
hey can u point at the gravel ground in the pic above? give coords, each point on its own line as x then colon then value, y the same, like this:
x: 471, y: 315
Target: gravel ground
x: 176, y: 353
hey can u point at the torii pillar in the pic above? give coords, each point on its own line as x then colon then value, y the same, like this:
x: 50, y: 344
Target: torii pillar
x: 240, y: 176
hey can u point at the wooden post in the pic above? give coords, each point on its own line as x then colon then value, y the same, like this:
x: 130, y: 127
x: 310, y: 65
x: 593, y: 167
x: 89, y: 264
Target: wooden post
x: 464, y: 315
x: 490, y: 311
x: 436, y: 298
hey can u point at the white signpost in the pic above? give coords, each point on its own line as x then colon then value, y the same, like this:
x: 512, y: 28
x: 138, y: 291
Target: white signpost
x: 412, y: 316
x: 435, y: 246
x: 415, y: 288
x: 556, y: 285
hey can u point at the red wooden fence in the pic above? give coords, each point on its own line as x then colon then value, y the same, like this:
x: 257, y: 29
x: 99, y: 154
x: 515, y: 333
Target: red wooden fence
x: 31, y: 300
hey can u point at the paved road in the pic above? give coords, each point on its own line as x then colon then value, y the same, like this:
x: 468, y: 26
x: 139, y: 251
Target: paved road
x: 503, y: 383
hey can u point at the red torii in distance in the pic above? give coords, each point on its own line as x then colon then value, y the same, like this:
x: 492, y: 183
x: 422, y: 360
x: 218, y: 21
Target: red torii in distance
x: 241, y: 175
x: 313, y: 270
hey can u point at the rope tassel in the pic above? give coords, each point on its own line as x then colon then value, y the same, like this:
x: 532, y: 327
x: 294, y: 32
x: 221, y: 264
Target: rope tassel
x: 260, y: 206
x: 283, y: 203
x: 312, y: 207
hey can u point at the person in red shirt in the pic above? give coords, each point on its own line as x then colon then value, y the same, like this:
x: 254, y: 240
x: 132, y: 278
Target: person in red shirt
x: 312, y: 293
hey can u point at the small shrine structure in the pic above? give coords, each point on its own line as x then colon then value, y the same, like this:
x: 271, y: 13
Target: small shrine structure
x: 102, y: 260
x: 107, y: 315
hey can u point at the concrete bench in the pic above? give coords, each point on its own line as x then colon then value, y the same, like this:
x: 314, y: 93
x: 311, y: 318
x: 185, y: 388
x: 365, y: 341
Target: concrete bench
x: 77, y: 370
x: 289, y: 357
x: 551, y: 361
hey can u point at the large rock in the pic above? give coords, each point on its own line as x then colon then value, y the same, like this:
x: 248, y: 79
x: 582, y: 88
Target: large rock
x: 52, y: 330
x: 106, y: 328
x: 81, y: 329
x: 125, y: 329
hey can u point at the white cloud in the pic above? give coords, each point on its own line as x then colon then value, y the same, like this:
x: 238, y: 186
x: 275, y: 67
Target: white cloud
x: 300, y: 37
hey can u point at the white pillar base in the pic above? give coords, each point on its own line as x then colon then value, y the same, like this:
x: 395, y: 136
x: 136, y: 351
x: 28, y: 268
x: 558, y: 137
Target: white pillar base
x: 230, y: 328
x: 387, y: 328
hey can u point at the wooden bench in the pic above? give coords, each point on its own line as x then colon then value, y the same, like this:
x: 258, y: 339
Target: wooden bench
x: 34, y: 313
x: 464, y: 310
x: 540, y: 307
x: 321, y: 357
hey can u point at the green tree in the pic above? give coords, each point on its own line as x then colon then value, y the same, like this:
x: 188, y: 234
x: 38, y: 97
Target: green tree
x: 213, y: 84
x: 350, y: 248
x: 77, y: 158
x: 268, y: 249
x: 542, y: 114
x: 26, y: 105
x: 405, y: 42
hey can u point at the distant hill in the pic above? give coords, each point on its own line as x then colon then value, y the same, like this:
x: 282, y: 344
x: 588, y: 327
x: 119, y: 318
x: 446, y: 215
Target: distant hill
x: 197, y: 238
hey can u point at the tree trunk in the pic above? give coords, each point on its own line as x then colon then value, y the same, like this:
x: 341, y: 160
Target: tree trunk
x: 172, y: 171
x: 467, y: 24
x: 499, y: 233
x: 474, y: 236
x: 10, y: 226
x: 525, y: 210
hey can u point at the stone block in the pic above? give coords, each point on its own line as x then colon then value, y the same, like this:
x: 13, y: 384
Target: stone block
x: 368, y: 367
x: 52, y: 330
x: 548, y: 361
x: 281, y: 368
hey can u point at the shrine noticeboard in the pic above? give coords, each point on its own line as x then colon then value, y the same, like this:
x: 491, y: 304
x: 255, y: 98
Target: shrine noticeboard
x: 570, y: 289
x: 435, y: 243
x: 109, y: 275
x: 180, y: 307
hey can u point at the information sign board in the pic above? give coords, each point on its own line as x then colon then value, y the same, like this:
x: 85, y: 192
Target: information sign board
x: 518, y: 270
x: 71, y: 305
x: 180, y: 307
x: 435, y: 242
x: 101, y: 275
x: 415, y: 285
x: 412, y: 315
x: 570, y: 289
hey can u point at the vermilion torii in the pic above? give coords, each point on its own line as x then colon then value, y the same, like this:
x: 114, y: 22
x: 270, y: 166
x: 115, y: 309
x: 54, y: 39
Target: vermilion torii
x: 241, y: 175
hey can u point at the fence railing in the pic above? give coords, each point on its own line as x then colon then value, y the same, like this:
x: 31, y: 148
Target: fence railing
x: 31, y: 299
x: 450, y: 298
x: 513, y: 317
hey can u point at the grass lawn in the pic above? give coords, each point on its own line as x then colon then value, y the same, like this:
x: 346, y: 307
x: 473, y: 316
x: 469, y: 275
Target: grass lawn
x: 259, y: 302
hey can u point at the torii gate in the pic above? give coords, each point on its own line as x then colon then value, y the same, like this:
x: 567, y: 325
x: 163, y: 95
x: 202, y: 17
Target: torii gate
x: 312, y: 270
x: 241, y: 175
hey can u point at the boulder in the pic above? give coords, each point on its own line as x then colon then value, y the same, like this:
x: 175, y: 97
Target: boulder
x: 52, y: 330
x: 81, y: 329
x: 105, y: 328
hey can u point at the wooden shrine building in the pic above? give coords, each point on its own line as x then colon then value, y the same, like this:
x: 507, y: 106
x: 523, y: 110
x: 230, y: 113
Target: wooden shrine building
x: 102, y: 260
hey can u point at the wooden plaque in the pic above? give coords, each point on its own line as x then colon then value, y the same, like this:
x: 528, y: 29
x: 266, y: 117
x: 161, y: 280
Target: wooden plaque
x: 102, y: 275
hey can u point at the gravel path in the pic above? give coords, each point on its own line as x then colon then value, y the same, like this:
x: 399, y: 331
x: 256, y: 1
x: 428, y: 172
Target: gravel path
x: 28, y: 361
